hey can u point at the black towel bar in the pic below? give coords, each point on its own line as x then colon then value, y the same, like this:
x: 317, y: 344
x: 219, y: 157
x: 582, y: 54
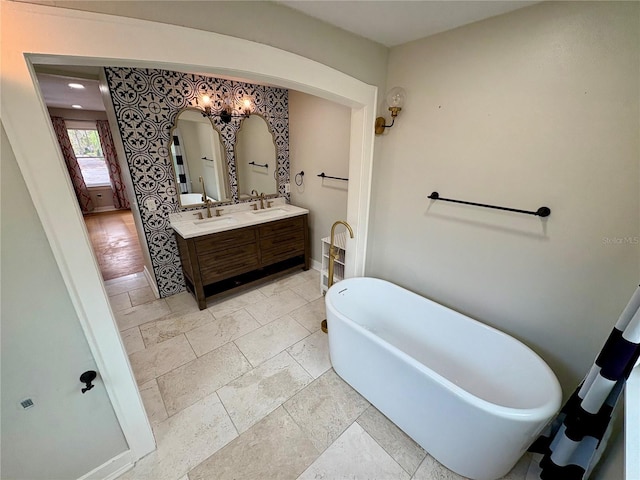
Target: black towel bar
x: 541, y: 212
x: 266, y: 165
x: 335, y: 178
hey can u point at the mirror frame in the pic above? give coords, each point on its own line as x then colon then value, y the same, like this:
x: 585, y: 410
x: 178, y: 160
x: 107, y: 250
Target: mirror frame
x: 225, y: 165
x: 276, y: 160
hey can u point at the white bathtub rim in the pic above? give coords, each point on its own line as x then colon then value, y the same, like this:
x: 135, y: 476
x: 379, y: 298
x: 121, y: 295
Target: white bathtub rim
x: 544, y: 411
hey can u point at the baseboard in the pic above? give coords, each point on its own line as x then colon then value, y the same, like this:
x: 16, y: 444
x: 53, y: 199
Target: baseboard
x: 152, y: 282
x: 104, y: 209
x: 316, y: 265
x: 111, y: 469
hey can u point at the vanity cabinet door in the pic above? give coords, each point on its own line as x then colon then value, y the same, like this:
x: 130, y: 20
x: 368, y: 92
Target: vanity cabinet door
x: 225, y: 263
x: 225, y: 254
x: 282, y: 240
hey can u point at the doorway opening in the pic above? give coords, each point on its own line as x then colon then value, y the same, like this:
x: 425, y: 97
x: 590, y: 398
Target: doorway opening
x: 78, y: 115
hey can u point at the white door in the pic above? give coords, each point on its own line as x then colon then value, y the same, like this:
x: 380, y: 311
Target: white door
x: 66, y: 433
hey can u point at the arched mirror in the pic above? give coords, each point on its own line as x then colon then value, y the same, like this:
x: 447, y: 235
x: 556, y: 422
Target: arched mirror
x: 199, y: 161
x: 256, y: 160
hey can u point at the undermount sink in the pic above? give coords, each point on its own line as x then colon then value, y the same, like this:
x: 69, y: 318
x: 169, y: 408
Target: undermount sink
x: 217, y: 220
x: 270, y: 211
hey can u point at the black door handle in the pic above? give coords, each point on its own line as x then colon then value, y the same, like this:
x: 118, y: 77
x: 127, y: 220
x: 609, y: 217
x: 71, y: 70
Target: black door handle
x: 86, y: 378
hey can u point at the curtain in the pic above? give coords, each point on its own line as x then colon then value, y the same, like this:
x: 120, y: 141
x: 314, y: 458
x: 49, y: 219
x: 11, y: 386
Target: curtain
x: 80, y: 188
x: 183, y: 186
x: 574, y: 442
x: 120, y: 199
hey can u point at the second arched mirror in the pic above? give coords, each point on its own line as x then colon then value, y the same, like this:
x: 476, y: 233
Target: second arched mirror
x: 199, y: 160
x: 256, y: 160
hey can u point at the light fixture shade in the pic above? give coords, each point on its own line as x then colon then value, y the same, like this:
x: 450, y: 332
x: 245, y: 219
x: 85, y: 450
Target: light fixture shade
x: 396, y: 97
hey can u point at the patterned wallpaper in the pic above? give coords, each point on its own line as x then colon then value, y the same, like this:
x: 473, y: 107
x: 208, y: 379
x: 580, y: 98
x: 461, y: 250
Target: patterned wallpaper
x: 146, y: 103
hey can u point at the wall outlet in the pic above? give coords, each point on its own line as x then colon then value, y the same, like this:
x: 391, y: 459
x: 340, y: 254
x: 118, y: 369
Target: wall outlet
x: 287, y: 188
x: 150, y: 203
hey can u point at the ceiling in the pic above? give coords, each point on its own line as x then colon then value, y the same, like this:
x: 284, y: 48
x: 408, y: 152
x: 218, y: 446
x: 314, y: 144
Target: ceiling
x: 393, y: 22
x: 57, y: 93
x: 388, y: 22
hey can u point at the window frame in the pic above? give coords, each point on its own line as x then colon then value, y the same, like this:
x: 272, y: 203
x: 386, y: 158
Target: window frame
x: 82, y: 125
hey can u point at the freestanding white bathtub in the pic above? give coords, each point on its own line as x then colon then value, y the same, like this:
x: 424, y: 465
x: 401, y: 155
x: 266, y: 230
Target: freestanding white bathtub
x: 473, y: 397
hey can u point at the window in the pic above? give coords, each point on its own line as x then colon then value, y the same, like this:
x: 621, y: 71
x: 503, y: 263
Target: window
x: 86, y: 146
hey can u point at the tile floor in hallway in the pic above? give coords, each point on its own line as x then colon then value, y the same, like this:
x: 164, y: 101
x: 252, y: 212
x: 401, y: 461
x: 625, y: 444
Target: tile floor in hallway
x: 245, y: 390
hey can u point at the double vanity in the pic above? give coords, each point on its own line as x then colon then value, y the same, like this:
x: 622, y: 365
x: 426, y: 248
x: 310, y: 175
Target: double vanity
x: 225, y: 247
x: 240, y: 247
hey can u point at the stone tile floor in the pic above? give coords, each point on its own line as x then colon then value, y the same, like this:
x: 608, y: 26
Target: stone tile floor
x: 245, y: 390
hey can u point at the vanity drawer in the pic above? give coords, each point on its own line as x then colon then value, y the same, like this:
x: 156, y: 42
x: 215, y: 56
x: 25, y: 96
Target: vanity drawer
x: 282, y: 226
x: 222, y: 240
x: 285, y: 240
x: 280, y: 247
x: 228, y: 262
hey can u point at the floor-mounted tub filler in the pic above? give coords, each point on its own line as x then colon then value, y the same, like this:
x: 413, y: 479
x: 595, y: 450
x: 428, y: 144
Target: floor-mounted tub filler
x: 473, y: 397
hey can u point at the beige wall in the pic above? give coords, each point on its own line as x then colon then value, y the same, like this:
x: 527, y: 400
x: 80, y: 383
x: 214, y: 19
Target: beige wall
x: 44, y: 352
x: 536, y: 107
x: 319, y: 142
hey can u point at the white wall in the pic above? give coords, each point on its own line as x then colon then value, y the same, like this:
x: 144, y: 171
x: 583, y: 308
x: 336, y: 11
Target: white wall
x: 102, y: 198
x: 535, y: 107
x: 44, y: 352
x: 319, y: 142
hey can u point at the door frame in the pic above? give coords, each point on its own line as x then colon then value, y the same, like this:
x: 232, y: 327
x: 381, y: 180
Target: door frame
x: 48, y: 35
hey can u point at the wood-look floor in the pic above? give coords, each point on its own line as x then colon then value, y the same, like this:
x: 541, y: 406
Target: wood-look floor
x: 115, y: 243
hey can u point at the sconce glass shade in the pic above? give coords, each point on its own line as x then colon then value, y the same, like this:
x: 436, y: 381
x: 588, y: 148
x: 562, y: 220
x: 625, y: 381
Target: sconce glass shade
x: 396, y: 98
x: 206, y: 103
x: 246, y: 106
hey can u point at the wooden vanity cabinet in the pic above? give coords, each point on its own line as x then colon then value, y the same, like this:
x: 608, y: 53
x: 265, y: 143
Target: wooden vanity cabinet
x: 220, y: 262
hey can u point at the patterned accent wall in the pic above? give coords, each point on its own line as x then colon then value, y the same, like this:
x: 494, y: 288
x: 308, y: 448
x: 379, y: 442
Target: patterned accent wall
x: 146, y: 103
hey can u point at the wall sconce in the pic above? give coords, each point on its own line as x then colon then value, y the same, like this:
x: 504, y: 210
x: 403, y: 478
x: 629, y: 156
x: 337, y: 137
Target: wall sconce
x: 395, y: 99
x: 227, y: 108
x: 246, y: 106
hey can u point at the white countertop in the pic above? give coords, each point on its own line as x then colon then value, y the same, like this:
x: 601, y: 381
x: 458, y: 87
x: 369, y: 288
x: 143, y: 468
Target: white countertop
x: 187, y: 225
